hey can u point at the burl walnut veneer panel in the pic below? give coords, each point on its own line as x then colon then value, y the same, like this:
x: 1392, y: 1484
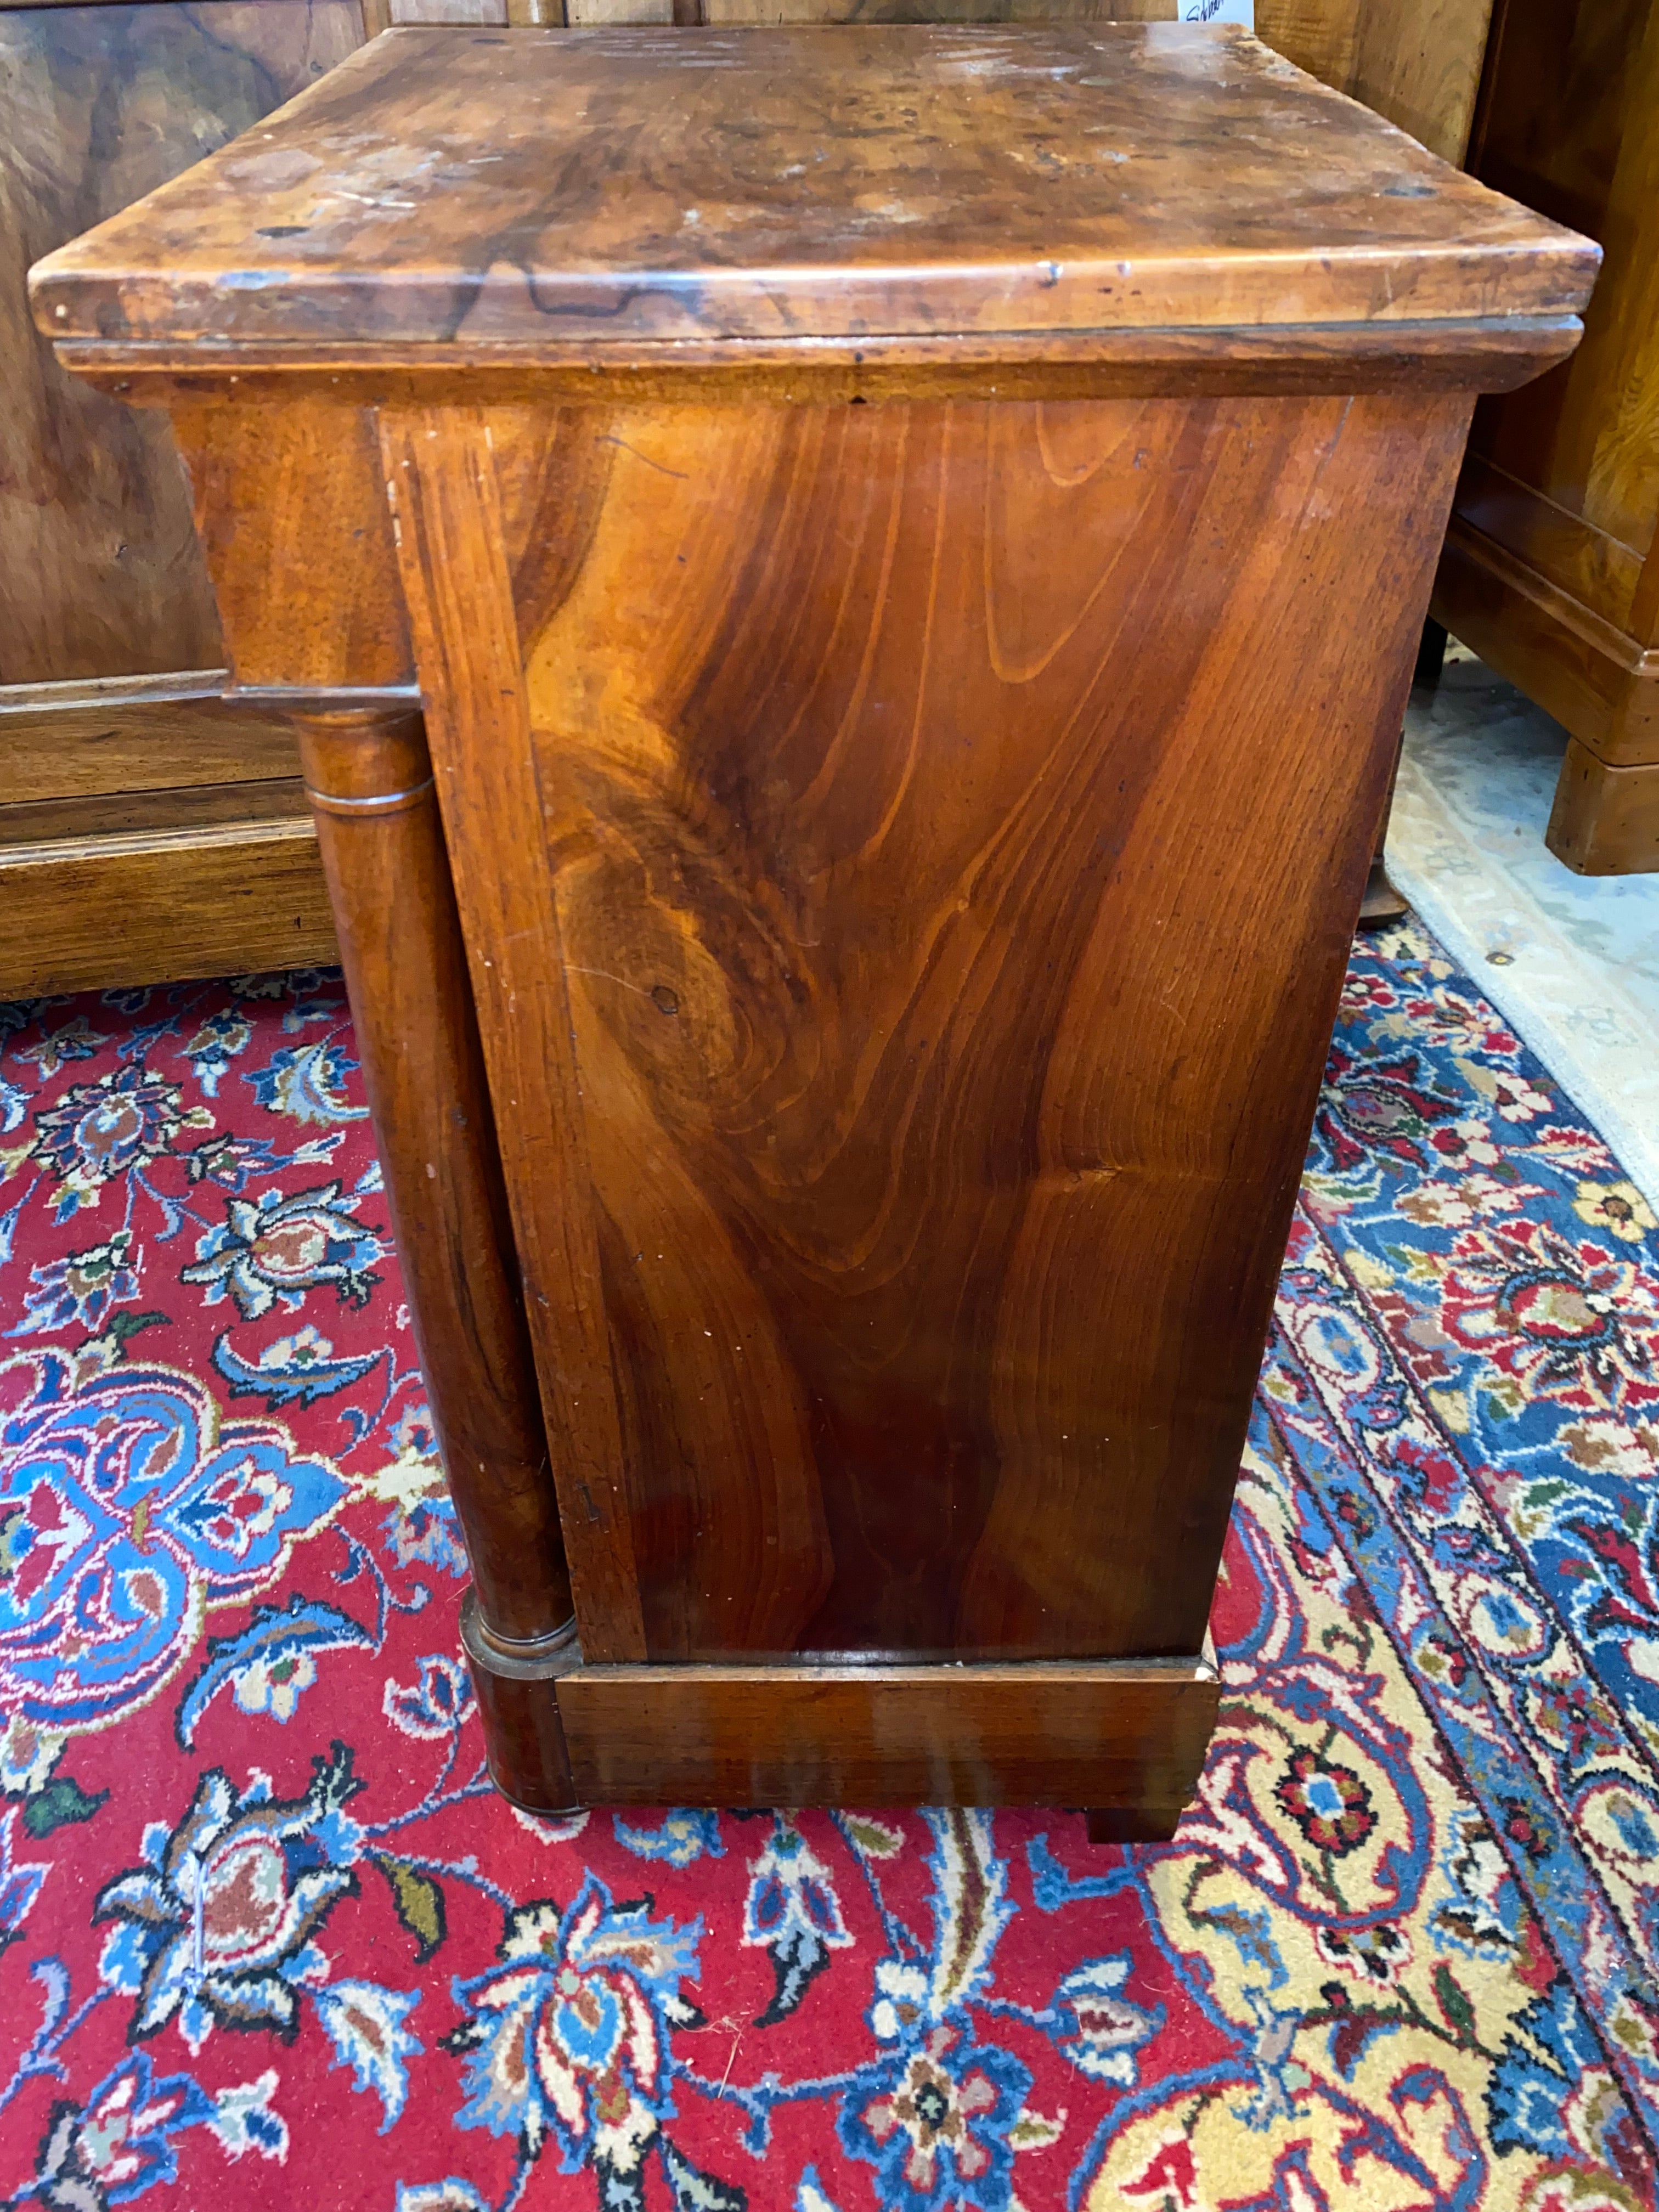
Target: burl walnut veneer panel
x: 862, y: 182
x: 947, y: 995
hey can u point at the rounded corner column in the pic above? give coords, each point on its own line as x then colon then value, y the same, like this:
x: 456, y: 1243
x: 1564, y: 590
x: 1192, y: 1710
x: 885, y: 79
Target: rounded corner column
x: 368, y: 775
x: 518, y: 1703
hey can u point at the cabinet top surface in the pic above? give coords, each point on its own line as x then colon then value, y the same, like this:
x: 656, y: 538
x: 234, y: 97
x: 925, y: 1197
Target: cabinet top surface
x: 462, y: 189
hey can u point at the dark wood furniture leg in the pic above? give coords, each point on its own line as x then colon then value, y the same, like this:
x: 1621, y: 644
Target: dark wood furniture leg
x: 1383, y: 903
x: 369, y: 777
x: 1430, y: 656
x: 1132, y: 1823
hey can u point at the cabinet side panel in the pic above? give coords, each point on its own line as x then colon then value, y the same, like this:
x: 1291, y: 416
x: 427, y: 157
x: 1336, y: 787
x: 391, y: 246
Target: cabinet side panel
x: 1570, y: 126
x: 292, y: 511
x: 952, y: 817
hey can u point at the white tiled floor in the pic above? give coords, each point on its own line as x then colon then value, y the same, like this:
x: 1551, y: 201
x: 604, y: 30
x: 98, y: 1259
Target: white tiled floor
x: 1571, y: 961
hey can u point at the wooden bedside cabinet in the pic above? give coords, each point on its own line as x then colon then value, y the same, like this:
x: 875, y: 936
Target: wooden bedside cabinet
x: 849, y: 596
x: 1551, y: 570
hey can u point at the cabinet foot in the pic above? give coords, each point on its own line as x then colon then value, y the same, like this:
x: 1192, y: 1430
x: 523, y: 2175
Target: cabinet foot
x: 1382, y: 903
x: 1605, y: 821
x: 1132, y: 1823
x: 523, y: 1735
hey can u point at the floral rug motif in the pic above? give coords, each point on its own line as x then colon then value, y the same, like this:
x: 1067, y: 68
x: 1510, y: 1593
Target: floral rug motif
x: 268, y: 1937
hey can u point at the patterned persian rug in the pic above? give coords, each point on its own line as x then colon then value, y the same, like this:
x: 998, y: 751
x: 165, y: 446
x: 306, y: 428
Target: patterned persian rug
x: 271, y: 1941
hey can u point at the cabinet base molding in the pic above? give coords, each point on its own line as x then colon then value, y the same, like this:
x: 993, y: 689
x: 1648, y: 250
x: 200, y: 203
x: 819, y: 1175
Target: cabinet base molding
x: 1125, y: 1737
x: 1599, y: 682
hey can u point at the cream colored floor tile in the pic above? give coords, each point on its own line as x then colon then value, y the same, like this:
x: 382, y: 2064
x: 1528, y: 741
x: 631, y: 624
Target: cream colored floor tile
x: 1573, y: 962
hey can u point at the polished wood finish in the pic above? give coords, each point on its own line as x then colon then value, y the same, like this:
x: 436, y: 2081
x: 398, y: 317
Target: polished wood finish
x: 453, y: 538
x: 729, y: 13
x: 286, y: 493
x: 1605, y: 821
x: 369, y: 776
x: 1416, y: 62
x: 116, y: 736
x: 739, y: 896
x: 100, y: 576
x: 1278, y: 361
x: 281, y: 490
x: 1552, y: 568
x: 92, y: 905
x: 129, y: 814
x: 101, y: 573
x: 1595, y: 678
x: 518, y: 1705
x: 841, y: 763
x: 1158, y: 197
x: 1134, y: 1736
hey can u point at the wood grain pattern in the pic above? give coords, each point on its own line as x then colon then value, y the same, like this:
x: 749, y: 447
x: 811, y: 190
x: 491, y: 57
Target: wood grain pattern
x: 79, y: 740
x: 839, y: 794
x: 721, y: 12
x: 1416, y: 62
x: 452, y: 545
x: 1586, y: 564
x: 105, y: 606
x: 127, y: 813
x: 288, y: 492
x: 151, y: 830
x: 619, y: 11
x: 1057, y: 179
x: 459, y: 13
x: 1593, y: 677
x: 279, y: 488
x: 1559, y: 89
x: 97, y: 911
x: 1552, y: 568
x: 864, y: 844
x: 1605, y: 821
x: 1490, y: 355
x: 1589, y: 440
x: 889, y: 1735
x: 370, y: 779
x: 99, y: 570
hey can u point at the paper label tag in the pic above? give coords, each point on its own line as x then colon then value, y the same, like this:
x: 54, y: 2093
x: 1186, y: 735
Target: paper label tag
x: 1220, y: 11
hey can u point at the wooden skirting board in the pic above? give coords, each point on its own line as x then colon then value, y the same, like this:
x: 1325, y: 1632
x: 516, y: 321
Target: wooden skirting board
x: 152, y: 831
